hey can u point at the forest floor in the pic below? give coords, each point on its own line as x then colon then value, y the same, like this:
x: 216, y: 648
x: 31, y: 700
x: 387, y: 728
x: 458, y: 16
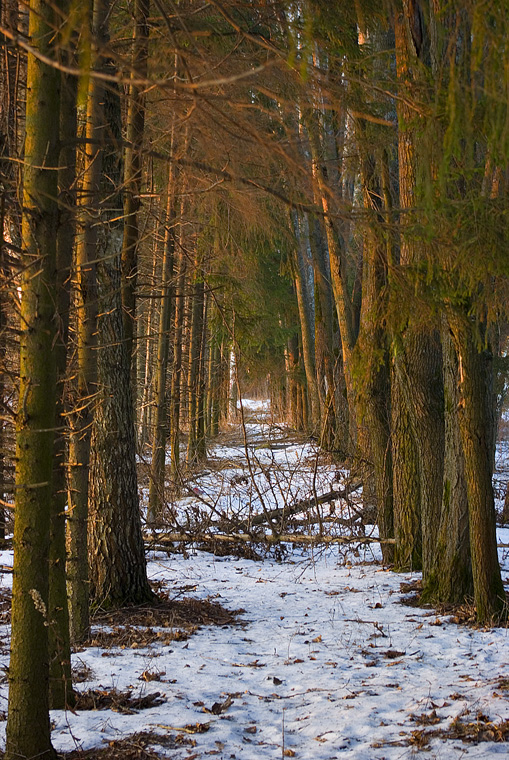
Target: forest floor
x: 301, y: 650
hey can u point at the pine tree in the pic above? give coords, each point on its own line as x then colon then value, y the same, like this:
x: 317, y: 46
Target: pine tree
x: 28, y: 728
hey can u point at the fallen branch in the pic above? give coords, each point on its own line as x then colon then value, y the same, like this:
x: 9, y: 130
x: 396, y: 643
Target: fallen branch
x: 292, y: 538
x: 300, y: 506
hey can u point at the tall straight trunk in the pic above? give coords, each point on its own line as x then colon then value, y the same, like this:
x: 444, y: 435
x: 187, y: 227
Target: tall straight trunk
x: 215, y: 387
x: 372, y: 359
x: 305, y: 318
x: 224, y: 381
x: 451, y: 578
x: 61, y: 694
x: 28, y: 726
x: 344, y: 308
x: 214, y: 372
x: 3, y: 357
x: 195, y: 354
x: 294, y: 385
x: 422, y: 382
x: 476, y: 421
x: 145, y: 419
x: 116, y: 551
x: 405, y: 478
x: 133, y: 171
x: 201, y: 439
x: 9, y: 205
x: 175, y: 396
x: 418, y: 356
x: 334, y: 428
x: 84, y: 385
x: 157, y: 474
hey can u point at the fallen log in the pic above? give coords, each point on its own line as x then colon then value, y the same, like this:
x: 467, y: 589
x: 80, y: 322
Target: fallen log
x: 300, y: 506
x: 292, y: 538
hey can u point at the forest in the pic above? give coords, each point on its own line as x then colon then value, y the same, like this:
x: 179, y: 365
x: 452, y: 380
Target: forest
x: 206, y: 201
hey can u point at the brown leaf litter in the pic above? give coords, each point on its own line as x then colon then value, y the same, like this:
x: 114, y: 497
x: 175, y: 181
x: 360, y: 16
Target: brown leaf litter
x: 139, y: 746
x: 460, y: 614
x: 118, y: 701
x: 482, y: 729
x: 166, y: 621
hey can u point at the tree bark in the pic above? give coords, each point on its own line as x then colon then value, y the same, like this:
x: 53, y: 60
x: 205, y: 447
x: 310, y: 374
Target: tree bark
x: 450, y: 580
x: 194, y: 450
x: 417, y: 355
x: 307, y: 337
x: 371, y: 352
x: 28, y: 726
x: 344, y: 307
x: 61, y: 693
x: 133, y: 171
x: 84, y: 387
x: 175, y: 397
x: 157, y: 474
x: 476, y: 420
x: 116, y: 552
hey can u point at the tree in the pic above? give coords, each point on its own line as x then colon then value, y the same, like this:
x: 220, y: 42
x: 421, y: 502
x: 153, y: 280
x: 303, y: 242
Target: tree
x: 28, y: 728
x: 157, y: 474
x: 116, y: 552
x: 133, y: 169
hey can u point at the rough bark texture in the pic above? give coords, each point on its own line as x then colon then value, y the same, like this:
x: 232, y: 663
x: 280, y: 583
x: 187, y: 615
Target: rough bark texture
x: 406, y: 486
x: 450, y: 580
x: 116, y: 552
x: 157, y: 473
x: 175, y: 399
x: 307, y: 337
x: 422, y: 384
x: 417, y: 355
x: 475, y: 411
x: 372, y: 361
x: 343, y: 304
x: 214, y: 386
x: 133, y: 171
x: 28, y: 727
x: 194, y: 445
x: 333, y: 414
x: 85, y: 303
x: 146, y: 411
x: 61, y: 694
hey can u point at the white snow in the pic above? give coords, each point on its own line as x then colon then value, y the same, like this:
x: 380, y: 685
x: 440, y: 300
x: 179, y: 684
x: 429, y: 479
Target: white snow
x: 325, y: 662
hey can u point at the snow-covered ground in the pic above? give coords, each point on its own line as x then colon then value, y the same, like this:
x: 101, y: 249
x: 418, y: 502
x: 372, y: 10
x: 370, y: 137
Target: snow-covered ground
x: 325, y: 661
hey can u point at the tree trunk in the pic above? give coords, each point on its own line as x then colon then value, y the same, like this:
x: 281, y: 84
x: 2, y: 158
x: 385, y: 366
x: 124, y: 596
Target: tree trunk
x: 334, y: 420
x: 417, y: 352
x: 305, y: 318
x: 84, y: 387
x: 145, y: 417
x: 475, y: 412
x: 371, y: 353
x: 116, y: 551
x: 9, y: 206
x: 175, y: 397
x: 344, y: 307
x: 450, y: 580
x: 28, y: 726
x: 133, y: 171
x: 405, y: 476
x: 214, y: 378
x: 157, y: 474
x: 61, y: 694
x: 194, y: 451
